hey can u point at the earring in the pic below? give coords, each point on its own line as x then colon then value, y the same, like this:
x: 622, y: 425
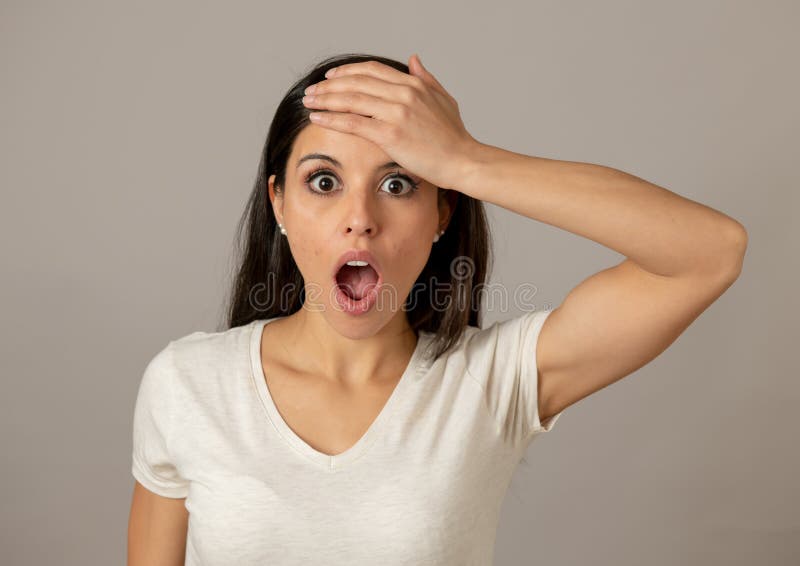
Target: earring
x: 436, y: 237
x: 283, y: 230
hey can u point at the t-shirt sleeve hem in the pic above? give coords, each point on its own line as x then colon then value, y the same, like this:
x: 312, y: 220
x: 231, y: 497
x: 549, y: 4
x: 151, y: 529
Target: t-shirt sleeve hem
x: 547, y: 424
x: 157, y: 485
x: 529, y: 348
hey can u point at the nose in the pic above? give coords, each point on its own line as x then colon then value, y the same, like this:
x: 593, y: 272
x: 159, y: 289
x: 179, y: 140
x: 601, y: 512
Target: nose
x: 359, y: 217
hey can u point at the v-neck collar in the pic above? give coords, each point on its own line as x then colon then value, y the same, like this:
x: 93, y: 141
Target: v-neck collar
x: 327, y: 461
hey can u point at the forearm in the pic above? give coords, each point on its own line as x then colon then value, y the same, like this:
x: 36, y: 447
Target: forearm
x: 662, y: 232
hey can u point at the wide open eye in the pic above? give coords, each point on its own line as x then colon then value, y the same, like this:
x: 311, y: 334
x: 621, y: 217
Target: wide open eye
x: 395, y: 183
x: 323, y: 182
x: 324, y: 187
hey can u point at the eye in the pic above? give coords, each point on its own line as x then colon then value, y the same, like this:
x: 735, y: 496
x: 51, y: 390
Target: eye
x: 393, y: 183
x: 322, y: 182
x: 325, y: 175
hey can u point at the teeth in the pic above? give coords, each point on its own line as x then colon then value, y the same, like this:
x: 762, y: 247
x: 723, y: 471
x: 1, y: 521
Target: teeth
x: 358, y: 263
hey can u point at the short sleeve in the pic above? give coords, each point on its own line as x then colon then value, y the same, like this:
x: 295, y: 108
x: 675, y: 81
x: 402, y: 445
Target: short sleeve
x: 502, y: 358
x: 153, y: 464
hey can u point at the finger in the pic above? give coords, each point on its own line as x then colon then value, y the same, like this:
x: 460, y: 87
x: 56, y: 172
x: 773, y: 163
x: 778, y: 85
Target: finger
x: 427, y: 76
x: 372, y: 69
x: 368, y: 85
x: 355, y: 103
x: 367, y: 128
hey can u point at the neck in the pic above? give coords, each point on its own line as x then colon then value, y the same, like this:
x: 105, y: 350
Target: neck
x: 354, y: 354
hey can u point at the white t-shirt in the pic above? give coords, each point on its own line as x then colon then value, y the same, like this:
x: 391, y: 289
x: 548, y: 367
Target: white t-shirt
x: 424, y: 485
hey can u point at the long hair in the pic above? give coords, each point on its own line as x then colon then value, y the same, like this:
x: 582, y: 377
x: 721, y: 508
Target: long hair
x: 268, y: 282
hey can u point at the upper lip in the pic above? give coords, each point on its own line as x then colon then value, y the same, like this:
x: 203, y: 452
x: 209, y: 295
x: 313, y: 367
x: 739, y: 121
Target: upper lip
x: 356, y: 254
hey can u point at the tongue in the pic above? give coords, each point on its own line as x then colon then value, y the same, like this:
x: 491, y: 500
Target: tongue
x: 355, y: 281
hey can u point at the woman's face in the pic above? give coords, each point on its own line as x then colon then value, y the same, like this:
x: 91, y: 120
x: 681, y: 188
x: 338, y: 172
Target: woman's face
x: 328, y: 208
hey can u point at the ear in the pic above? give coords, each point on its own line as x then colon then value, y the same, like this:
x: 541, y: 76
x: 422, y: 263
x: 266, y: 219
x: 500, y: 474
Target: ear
x: 275, y: 199
x: 447, y: 205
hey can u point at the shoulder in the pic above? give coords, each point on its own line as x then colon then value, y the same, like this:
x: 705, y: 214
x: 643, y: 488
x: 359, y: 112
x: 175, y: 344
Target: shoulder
x: 509, y: 333
x: 193, y: 355
x: 203, y: 343
x: 504, y: 346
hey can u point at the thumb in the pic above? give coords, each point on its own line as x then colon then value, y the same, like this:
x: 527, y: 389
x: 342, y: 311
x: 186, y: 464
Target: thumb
x: 417, y: 69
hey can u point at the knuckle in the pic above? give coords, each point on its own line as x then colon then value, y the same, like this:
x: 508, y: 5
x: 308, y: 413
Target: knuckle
x: 409, y: 94
x: 450, y: 99
x: 417, y: 82
x: 403, y: 112
x: 352, y: 82
x: 392, y: 134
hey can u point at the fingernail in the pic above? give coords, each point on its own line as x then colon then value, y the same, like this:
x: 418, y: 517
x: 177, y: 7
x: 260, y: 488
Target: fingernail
x: 310, y: 89
x: 330, y: 72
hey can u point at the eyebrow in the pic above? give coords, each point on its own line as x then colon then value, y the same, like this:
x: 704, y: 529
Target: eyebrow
x: 322, y: 156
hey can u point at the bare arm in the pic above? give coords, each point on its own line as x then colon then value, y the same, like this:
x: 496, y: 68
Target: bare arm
x: 157, y: 529
x: 680, y: 257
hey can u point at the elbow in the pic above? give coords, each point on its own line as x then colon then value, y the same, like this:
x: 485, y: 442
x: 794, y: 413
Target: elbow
x: 731, y: 260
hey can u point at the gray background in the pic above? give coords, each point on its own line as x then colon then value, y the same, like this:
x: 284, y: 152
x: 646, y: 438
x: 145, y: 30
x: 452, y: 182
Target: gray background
x: 130, y: 139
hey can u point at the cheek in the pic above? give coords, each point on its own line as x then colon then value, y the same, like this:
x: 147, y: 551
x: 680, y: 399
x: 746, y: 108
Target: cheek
x: 306, y: 233
x: 307, y: 249
x: 411, y: 239
x: 411, y: 254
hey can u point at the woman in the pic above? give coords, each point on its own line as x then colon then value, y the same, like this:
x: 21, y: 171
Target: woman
x: 358, y: 414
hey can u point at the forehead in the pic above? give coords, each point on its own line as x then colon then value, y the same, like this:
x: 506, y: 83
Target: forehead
x: 348, y: 149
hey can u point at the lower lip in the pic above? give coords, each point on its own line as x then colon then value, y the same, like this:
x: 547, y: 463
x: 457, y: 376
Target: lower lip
x: 357, y: 307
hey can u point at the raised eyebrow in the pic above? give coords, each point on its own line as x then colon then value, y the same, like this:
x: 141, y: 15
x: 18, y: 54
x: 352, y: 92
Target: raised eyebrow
x: 335, y: 162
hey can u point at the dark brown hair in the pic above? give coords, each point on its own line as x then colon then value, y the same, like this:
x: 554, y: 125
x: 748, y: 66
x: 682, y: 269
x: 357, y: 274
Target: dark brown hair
x: 268, y: 282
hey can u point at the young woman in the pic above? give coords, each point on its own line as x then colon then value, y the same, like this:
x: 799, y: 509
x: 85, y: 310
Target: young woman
x: 357, y: 413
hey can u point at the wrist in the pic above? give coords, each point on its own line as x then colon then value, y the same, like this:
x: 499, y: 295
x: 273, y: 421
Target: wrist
x: 476, y: 158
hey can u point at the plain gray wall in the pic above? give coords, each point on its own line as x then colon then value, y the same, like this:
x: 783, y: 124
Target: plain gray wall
x: 130, y: 139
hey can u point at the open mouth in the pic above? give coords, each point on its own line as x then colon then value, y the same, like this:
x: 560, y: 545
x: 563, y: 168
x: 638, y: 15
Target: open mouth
x: 356, y: 281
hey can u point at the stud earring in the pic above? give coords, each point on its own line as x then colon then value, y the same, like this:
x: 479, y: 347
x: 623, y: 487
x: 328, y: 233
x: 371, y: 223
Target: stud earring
x: 283, y: 230
x: 436, y: 237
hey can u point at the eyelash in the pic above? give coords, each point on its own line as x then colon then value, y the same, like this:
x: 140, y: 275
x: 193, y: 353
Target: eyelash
x: 324, y: 170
